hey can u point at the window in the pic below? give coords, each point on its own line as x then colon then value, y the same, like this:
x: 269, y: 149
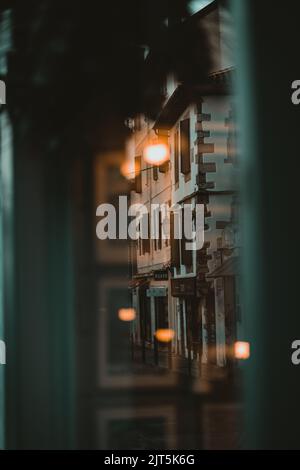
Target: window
x: 138, y: 174
x: 159, y: 231
x: 185, y: 161
x: 231, y: 139
x: 146, y: 241
x: 186, y: 255
x: 175, y: 249
x: 176, y: 157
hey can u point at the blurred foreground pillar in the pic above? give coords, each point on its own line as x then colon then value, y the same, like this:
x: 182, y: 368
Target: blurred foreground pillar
x: 268, y: 34
x: 39, y: 301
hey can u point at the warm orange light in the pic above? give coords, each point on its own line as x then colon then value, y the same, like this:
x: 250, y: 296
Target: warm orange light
x: 127, y: 169
x: 164, y: 335
x: 156, y: 154
x: 241, y: 350
x: 126, y: 314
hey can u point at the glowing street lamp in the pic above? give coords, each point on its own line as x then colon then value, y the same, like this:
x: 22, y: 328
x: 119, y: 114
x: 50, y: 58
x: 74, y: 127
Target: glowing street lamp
x: 156, y: 153
x: 126, y: 314
x: 164, y: 335
x: 241, y: 350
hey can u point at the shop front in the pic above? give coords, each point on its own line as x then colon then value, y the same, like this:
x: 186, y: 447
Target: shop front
x: 188, y: 323
x: 158, y: 298
x: 227, y: 320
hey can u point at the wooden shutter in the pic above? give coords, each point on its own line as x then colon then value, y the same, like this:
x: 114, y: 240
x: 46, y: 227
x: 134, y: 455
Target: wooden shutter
x: 159, y: 230
x: 185, y: 160
x: 176, y: 157
x: 146, y: 241
x: 175, y: 250
x: 138, y: 174
x: 186, y: 255
x: 164, y: 140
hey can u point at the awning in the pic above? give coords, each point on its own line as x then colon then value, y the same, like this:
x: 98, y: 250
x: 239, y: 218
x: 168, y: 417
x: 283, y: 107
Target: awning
x: 230, y: 267
x: 137, y: 283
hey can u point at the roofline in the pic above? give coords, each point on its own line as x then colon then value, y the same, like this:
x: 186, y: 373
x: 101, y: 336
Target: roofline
x: 204, y: 11
x: 199, y: 14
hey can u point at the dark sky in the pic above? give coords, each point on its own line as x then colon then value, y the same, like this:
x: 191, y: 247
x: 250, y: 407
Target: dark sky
x: 78, y: 70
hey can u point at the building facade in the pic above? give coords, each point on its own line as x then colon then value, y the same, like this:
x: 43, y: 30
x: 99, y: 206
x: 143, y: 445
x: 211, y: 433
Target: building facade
x: 192, y: 292
x: 151, y: 283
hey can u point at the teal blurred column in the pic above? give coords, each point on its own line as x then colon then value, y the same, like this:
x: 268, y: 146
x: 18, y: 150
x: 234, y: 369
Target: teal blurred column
x: 6, y: 252
x: 267, y: 39
x: 39, y: 303
x: 2, y: 396
x: 6, y: 201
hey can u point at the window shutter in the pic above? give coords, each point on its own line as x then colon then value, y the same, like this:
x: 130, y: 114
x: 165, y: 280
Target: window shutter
x: 138, y: 174
x: 146, y: 241
x: 159, y: 230
x: 186, y: 255
x: 185, y: 160
x: 176, y: 157
x: 175, y: 252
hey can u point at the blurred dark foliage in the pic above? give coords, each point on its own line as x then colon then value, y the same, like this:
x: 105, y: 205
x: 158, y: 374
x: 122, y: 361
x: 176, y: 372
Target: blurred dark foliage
x: 77, y: 69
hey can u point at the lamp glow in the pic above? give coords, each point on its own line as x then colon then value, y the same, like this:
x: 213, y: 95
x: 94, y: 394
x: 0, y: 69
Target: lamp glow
x: 164, y: 335
x: 156, y: 154
x: 126, y: 314
x: 241, y: 350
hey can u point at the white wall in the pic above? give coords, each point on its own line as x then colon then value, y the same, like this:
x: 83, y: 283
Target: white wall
x: 153, y: 192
